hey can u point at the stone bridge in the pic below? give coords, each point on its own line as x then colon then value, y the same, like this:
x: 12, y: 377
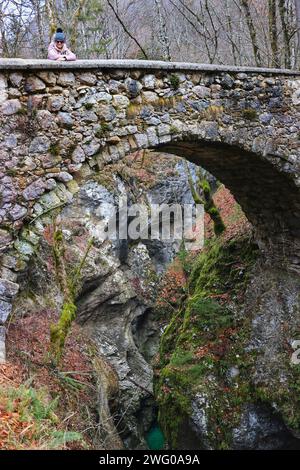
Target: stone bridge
x: 62, y: 122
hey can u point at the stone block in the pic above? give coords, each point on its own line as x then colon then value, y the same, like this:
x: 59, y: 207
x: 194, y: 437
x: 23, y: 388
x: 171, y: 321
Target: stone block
x: 2, y: 345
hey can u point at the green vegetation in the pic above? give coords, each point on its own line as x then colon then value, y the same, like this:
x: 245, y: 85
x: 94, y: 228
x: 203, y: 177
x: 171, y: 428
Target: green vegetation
x: 54, y: 149
x: 33, y: 403
x: 221, y: 267
x: 185, y: 259
x: 104, y: 128
x: 59, y: 331
x: 207, y: 314
x: 174, y: 130
x: 11, y: 172
x: 174, y: 81
x: 30, y: 420
x: 179, y: 358
x: 22, y: 111
x: 69, y: 284
x: 203, y: 340
x: 250, y: 114
x: 203, y: 351
x: 202, y: 194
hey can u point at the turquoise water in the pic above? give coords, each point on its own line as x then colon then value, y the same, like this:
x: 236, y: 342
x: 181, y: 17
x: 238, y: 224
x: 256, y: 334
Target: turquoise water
x: 155, y: 438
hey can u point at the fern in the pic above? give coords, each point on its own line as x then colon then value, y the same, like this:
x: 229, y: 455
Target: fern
x: 61, y: 438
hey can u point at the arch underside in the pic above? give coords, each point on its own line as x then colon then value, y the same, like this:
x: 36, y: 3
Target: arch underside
x: 269, y: 197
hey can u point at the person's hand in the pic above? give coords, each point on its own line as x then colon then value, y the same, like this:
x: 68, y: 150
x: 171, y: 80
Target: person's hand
x: 61, y: 58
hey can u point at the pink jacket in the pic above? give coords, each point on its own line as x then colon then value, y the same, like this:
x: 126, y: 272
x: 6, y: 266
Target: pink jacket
x: 54, y: 53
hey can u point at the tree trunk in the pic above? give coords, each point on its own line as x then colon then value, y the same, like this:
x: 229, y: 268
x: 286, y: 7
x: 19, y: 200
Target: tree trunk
x: 286, y: 37
x: 126, y: 30
x: 252, y: 31
x: 202, y: 194
x: 273, y: 33
x: 38, y: 15
x: 69, y: 284
x: 52, y: 15
x: 3, y: 41
x: 75, y: 21
x: 163, y: 34
x: 297, y: 6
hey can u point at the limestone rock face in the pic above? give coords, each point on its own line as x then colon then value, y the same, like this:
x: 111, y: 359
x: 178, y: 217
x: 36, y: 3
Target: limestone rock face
x: 55, y: 102
x: 267, y: 420
x: 120, y: 289
x: 8, y: 291
x: 262, y: 429
x: 5, y: 310
x: 88, y: 78
x: 119, y: 281
x: 16, y: 79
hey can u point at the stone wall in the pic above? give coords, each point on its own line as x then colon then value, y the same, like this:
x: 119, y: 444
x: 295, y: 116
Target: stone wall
x: 63, y: 122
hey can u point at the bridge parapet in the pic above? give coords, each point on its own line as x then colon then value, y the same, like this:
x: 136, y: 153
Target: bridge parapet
x: 42, y: 64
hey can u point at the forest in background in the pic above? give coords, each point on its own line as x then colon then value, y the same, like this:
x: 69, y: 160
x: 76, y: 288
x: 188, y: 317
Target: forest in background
x: 235, y: 32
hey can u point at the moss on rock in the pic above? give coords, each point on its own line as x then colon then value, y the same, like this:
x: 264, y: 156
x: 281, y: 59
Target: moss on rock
x: 60, y: 330
x: 201, y: 344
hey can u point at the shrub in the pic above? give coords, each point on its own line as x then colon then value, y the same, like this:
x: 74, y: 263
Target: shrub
x: 174, y: 81
x: 28, y: 420
x: 250, y: 114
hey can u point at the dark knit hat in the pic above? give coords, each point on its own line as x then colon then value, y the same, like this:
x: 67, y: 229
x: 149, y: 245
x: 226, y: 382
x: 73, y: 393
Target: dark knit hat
x: 59, y: 35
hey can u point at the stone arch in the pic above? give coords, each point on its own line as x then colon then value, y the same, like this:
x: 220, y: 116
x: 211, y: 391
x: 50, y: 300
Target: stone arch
x: 267, y: 190
x: 268, y: 196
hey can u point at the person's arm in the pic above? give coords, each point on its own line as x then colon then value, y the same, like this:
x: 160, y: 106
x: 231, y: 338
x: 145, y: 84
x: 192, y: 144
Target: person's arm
x: 52, y: 53
x: 70, y: 55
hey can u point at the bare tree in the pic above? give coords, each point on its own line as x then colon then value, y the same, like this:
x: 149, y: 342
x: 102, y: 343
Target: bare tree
x: 52, y: 13
x: 75, y: 21
x: 126, y: 29
x: 3, y: 38
x: 252, y: 31
x: 16, y: 20
x: 273, y: 33
x: 297, y: 6
x: 163, y: 34
x: 285, y: 32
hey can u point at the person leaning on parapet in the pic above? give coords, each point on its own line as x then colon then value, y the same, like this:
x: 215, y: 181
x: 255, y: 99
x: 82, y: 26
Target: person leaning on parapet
x: 57, y: 49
